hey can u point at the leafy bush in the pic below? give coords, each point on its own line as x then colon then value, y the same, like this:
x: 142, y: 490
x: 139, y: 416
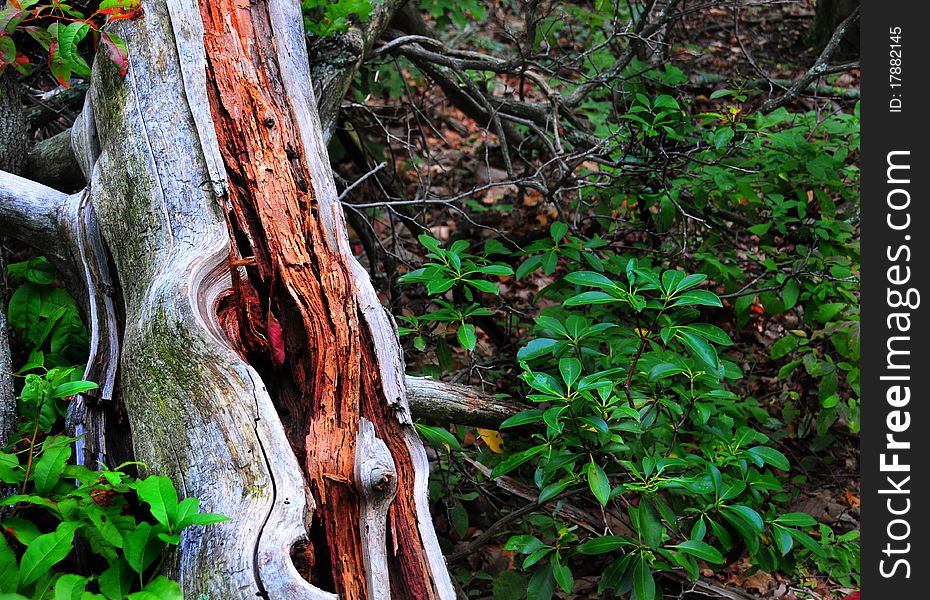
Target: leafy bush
x: 120, y: 526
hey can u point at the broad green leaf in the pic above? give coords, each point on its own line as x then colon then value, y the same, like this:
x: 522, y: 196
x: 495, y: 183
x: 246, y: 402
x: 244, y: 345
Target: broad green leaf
x: 46, y: 551
x: 598, y: 482
x: 570, y: 369
x: 466, y: 336
x: 770, y: 456
x: 701, y: 348
x: 586, y: 298
x: 749, y: 515
x: 141, y: 546
x: 650, y: 526
x: 783, y: 539
x: 604, y: 544
x: 524, y: 544
x: 701, y: 550
x: 8, y: 567
x: 552, y: 490
x: 808, y: 542
x: 562, y: 575
x: 790, y: 293
x: 158, y: 492
x: 593, y: 279
x: 541, y: 585
x: 643, y: 583
x: 71, y: 388
x: 438, y: 437
x: 797, y: 519
x: 516, y: 460
x: 697, y: 298
x: 70, y: 587
x: 162, y: 588
x: 533, y: 415
x: 536, y: 348
x: 116, y: 581
x: 557, y: 230
x: 51, y: 464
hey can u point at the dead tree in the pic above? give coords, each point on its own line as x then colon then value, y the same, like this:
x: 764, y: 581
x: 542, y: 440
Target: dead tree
x: 256, y: 365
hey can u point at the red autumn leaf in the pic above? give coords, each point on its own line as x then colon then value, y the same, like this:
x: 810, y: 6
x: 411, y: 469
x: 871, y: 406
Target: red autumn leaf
x: 116, y: 51
x: 276, y: 340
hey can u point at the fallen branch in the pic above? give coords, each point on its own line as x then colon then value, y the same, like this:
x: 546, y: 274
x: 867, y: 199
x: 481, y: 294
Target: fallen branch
x: 442, y: 402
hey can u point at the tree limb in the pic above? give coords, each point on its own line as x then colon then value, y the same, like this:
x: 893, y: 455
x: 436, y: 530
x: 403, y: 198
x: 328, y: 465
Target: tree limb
x: 819, y: 68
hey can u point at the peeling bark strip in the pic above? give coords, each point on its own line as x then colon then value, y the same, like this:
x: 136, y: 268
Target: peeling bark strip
x: 302, y: 318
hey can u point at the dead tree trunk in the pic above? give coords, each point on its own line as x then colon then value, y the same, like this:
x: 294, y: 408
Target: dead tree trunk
x: 257, y: 367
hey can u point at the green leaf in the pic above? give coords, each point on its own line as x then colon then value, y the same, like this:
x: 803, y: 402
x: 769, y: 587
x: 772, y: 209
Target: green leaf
x: 700, y: 347
x: 51, y: 464
x: 650, y: 527
x: 592, y: 279
x: 533, y: 415
x: 484, y: 286
x: 790, y: 294
x: 697, y: 298
x: 459, y: 518
x: 808, y: 542
x: 770, y: 456
x: 116, y: 581
x: 509, y: 585
x: 748, y: 515
x: 557, y: 230
x: 783, y: 539
x: 9, y: 569
x: 467, y: 337
x: 162, y: 588
x: 438, y: 437
x: 535, y: 557
x: 643, y: 583
x: 536, y: 348
x: 570, y: 369
x: 45, y: 551
x: 562, y: 575
x: 141, y: 547
x: 604, y: 544
x: 586, y: 298
x: 70, y: 587
x: 71, y: 388
x: 528, y: 266
x: 541, y: 585
x: 158, y: 492
x: 524, y: 544
x: 516, y: 460
x: 701, y: 550
x: 598, y: 482
x: 552, y: 490
x: 797, y: 519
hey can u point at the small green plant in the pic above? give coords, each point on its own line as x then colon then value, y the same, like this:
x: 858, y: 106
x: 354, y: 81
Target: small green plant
x: 326, y: 17
x: 60, y: 28
x: 456, y: 281
x: 123, y: 526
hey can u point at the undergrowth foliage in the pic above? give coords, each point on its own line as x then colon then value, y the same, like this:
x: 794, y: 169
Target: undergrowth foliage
x: 633, y: 388
x: 71, y: 531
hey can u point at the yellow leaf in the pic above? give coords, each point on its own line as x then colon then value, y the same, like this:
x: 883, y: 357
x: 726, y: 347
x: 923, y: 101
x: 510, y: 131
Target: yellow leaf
x: 492, y: 440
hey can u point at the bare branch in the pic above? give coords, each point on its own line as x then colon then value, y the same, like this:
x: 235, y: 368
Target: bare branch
x: 819, y: 69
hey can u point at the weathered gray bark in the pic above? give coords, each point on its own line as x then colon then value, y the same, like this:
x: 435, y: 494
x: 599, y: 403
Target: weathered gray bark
x: 12, y: 124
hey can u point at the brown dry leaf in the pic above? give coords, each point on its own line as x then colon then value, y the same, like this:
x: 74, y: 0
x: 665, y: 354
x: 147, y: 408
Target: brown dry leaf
x: 759, y: 581
x: 852, y: 499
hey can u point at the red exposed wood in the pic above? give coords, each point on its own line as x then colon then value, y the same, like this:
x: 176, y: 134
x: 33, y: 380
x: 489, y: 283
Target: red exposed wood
x: 296, y: 307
